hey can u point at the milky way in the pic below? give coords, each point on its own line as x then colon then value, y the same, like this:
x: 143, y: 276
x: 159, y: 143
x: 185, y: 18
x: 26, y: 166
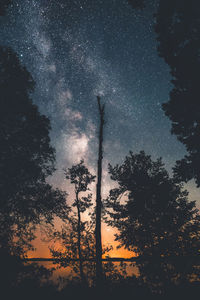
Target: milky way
x: 76, y: 50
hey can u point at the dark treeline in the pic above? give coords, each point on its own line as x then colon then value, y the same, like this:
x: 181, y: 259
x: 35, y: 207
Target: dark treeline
x: 26, y: 160
x: 150, y: 210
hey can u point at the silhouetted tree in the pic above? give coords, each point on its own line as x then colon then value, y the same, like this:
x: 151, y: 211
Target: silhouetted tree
x: 3, y: 6
x: 67, y: 255
x: 16, y: 276
x: 70, y: 254
x: 178, y: 34
x: 26, y: 159
x: 155, y: 220
x: 99, y: 272
x: 77, y: 237
x: 80, y: 177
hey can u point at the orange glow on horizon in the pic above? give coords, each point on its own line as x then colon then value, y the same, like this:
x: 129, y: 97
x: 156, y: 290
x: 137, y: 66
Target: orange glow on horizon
x: 108, y: 239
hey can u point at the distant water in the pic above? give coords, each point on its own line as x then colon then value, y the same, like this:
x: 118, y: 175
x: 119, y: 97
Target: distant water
x: 71, y: 272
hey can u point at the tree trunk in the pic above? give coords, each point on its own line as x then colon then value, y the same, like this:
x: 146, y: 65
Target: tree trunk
x: 79, y: 242
x: 99, y: 272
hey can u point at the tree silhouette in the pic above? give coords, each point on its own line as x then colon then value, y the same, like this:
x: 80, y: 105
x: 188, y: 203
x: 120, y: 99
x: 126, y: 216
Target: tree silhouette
x: 178, y: 34
x: 67, y: 254
x: 155, y: 220
x: 77, y: 237
x: 99, y: 270
x: 80, y: 177
x: 80, y: 259
x: 3, y: 6
x: 26, y: 160
x: 18, y: 278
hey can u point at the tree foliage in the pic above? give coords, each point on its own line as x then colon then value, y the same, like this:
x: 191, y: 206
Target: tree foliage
x: 77, y: 236
x: 155, y: 220
x: 178, y: 34
x: 80, y: 176
x: 26, y: 158
x: 3, y: 6
x: 78, y: 233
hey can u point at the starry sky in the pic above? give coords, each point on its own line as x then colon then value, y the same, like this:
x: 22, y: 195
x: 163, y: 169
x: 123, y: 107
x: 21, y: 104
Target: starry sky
x: 76, y: 50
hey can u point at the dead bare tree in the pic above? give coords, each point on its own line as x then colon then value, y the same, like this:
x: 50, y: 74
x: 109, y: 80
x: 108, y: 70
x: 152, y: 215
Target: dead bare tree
x: 99, y: 272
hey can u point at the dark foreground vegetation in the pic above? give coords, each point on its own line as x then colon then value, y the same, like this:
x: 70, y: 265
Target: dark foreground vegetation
x: 34, y: 283
x: 150, y: 209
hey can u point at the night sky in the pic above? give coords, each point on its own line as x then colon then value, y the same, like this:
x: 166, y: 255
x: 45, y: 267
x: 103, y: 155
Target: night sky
x: 76, y: 50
